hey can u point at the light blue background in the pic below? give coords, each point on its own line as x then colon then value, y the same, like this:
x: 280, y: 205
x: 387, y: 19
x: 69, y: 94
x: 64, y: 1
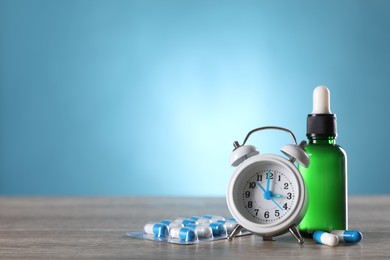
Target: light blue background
x: 146, y: 97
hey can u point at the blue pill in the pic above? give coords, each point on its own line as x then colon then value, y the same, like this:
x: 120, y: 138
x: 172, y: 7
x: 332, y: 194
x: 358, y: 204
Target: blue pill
x: 213, y: 218
x: 187, y: 222
x: 218, y: 229
x: 156, y: 229
x: 348, y: 236
x: 184, y: 234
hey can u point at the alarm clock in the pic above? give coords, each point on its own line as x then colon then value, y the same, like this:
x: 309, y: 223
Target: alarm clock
x: 266, y: 193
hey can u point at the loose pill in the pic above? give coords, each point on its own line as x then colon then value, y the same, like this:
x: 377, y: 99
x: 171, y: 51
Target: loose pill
x: 202, y: 231
x: 218, y: 229
x: 156, y: 229
x: 184, y: 234
x: 348, y: 236
x: 325, y: 238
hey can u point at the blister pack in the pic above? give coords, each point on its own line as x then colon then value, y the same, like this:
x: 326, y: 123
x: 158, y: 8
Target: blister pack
x: 187, y: 231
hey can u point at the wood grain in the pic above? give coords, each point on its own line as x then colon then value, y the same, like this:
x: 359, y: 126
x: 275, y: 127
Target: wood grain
x: 78, y: 228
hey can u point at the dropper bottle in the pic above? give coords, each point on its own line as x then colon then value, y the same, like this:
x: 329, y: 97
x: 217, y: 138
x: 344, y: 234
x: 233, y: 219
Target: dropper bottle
x: 326, y: 176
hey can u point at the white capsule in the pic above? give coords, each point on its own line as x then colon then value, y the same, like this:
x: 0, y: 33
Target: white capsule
x: 156, y: 229
x: 325, y: 238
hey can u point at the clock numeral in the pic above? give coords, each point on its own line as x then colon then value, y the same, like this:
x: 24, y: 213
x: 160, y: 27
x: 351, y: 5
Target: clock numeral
x: 277, y: 213
x: 278, y: 177
x: 250, y: 204
x: 257, y: 211
x: 247, y: 194
x: 260, y: 177
x: 285, y: 206
x: 266, y: 214
x: 286, y: 186
x: 289, y: 196
x: 252, y: 185
x: 270, y: 175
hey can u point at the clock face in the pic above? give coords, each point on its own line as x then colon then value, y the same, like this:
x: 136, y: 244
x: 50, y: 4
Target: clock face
x: 266, y: 192
x: 267, y: 195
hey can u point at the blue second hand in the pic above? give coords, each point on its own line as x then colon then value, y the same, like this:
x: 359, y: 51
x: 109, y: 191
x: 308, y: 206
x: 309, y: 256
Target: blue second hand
x: 277, y: 204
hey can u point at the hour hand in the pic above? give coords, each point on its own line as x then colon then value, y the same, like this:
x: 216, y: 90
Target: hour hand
x: 277, y: 196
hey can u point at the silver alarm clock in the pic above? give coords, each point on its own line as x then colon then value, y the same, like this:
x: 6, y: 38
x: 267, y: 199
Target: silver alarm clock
x: 266, y: 193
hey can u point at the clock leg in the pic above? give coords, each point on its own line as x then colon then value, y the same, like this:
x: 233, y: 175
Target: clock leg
x: 294, y: 231
x: 268, y: 239
x: 235, y: 232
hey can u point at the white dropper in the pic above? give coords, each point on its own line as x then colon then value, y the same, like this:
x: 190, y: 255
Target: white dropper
x: 321, y: 100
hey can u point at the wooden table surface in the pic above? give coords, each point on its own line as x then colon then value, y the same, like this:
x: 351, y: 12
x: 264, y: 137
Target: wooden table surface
x: 72, y: 227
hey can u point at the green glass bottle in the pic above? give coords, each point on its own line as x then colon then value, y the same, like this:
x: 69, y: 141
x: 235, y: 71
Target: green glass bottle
x: 326, y: 176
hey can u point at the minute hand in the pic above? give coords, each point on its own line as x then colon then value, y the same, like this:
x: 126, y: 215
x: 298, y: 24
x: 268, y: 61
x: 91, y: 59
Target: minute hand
x: 268, y: 180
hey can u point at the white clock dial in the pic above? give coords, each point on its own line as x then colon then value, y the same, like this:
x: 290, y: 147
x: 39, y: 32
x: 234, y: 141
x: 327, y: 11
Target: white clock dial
x: 267, y: 194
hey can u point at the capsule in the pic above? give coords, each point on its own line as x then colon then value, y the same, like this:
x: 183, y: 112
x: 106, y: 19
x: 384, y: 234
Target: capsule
x: 218, y: 229
x: 201, y: 220
x: 325, y: 238
x: 348, y: 236
x: 202, y: 231
x: 166, y: 222
x: 214, y: 218
x: 184, y: 234
x: 184, y: 221
x: 156, y: 229
x: 230, y: 225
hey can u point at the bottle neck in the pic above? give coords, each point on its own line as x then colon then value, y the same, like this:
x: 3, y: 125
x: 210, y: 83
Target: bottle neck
x: 331, y: 140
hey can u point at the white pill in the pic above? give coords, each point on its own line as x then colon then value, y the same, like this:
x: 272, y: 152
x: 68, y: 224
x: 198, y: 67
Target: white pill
x: 325, y: 238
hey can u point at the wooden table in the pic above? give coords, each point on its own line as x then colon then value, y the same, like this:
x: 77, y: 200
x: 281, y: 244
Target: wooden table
x: 53, y: 228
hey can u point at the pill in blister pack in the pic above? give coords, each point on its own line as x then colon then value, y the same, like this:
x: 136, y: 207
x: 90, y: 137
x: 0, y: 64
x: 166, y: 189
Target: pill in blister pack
x: 183, y: 234
x: 156, y: 229
x: 202, y: 231
x: 189, y: 230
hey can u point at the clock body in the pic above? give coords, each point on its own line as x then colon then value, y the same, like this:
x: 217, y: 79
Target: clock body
x: 267, y: 195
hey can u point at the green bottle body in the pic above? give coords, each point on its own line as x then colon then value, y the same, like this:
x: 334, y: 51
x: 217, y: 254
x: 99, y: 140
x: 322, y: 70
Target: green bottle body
x: 326, y: 183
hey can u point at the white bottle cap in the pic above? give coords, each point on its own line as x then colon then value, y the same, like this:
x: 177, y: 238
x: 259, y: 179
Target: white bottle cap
x: 321, y: 100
